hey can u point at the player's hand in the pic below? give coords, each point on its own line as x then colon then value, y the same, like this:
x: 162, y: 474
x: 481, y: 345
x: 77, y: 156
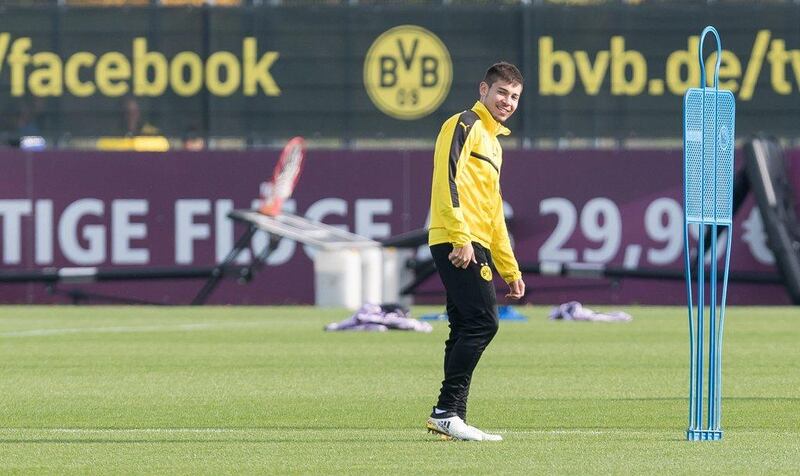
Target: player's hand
x: 461, y: 257
x: 516, y: 289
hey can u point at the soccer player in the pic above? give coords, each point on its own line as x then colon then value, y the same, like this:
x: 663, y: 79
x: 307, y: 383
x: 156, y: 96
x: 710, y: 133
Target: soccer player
x: 468, y: 236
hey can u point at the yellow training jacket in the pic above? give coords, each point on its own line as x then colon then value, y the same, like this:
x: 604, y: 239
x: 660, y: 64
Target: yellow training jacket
x: 465, y: 195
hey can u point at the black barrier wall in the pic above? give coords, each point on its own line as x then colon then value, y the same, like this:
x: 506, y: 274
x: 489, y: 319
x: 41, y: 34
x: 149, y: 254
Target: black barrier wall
x: 343, y: 73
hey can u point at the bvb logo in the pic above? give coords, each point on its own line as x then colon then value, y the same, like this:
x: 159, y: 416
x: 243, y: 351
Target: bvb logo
x: 407, y: 72
x: 486, y: 272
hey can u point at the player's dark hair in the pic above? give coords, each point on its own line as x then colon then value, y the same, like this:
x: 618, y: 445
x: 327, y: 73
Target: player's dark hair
x: 505, y: 71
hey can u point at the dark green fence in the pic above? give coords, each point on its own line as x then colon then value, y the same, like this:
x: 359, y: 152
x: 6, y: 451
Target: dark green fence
x: 259, y: 74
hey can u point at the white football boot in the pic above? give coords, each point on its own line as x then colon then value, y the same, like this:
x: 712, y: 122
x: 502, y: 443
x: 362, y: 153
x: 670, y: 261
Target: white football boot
x: 453, y: 428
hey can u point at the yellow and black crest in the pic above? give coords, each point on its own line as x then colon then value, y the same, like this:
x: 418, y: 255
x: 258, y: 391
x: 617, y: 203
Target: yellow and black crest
x: 408, y: 72
x: 486, y: 272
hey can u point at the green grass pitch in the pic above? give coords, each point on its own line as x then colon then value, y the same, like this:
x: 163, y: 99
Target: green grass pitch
x: 239, y: 390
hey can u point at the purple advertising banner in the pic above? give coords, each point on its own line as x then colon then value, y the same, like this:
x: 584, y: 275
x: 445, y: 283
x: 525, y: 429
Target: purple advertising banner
x: 146, y: 210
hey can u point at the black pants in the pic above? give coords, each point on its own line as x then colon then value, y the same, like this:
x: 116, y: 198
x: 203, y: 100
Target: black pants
x: 472, y: 312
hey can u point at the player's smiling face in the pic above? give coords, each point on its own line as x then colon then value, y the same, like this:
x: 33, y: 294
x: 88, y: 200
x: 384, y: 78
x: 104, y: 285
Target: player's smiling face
x: 501, y: 98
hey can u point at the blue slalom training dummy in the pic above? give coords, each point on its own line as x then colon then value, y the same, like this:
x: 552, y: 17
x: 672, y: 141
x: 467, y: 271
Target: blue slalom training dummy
x: 708, y: 146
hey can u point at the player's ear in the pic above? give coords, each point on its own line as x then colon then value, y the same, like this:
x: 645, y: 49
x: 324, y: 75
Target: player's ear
x: 483, y: 89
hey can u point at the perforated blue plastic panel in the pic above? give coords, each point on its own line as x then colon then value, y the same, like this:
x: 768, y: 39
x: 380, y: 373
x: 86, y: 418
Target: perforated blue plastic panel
x: 708, y: 132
